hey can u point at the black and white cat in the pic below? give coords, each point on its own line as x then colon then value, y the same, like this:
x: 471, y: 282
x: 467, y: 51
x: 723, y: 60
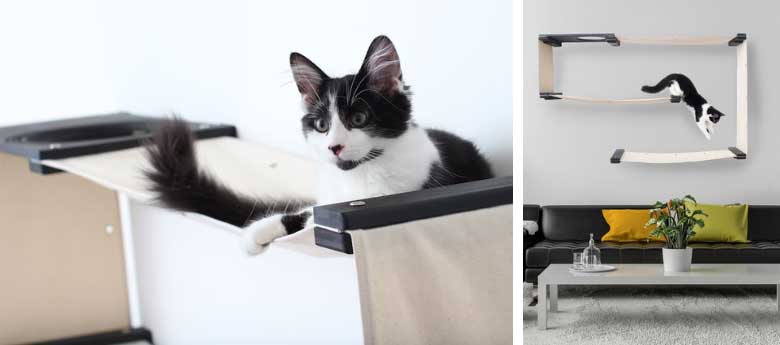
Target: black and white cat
x: 681, y: 86
x: 362, y: 134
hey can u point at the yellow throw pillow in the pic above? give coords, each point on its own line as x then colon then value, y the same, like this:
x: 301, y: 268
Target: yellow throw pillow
x: 628, y: 226
x: 726, y: 223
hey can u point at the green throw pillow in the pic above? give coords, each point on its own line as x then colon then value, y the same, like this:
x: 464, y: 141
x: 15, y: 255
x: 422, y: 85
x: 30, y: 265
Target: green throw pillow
x: 726, y: 223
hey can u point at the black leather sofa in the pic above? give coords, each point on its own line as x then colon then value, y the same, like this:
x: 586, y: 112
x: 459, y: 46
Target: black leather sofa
x: 564, y: 229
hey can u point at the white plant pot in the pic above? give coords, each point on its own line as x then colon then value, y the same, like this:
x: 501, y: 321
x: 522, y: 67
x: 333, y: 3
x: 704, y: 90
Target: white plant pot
x: 677, y: 260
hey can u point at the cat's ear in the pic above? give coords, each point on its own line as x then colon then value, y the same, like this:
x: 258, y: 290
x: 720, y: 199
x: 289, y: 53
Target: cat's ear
x: 307, y: 76
x: 382, y: 67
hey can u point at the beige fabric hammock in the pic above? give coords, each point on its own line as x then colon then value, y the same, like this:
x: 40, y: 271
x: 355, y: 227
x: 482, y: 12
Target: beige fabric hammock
x: 444, y: 280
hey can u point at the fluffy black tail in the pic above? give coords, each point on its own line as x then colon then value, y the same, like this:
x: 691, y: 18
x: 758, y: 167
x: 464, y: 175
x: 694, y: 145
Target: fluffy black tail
x: 663, y: 84
x: 181, y: 185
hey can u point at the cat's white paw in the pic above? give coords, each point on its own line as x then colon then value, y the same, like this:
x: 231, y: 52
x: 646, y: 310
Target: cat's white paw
x: 256, y: 237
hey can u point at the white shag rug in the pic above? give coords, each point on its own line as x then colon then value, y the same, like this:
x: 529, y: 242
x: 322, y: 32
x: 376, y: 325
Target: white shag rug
x: 656, y: 315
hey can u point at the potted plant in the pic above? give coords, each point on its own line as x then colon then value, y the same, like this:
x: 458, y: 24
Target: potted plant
x: 674, y: 221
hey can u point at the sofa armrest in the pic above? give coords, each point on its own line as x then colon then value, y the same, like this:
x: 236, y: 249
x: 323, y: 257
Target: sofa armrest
x: 332, y: 221
x: 528, y: 240
x: 534, y: 213
x: 531, y: 212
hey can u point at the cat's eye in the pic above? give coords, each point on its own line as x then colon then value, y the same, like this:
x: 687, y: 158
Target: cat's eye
x: 321, y: 125
x: 359, y: 119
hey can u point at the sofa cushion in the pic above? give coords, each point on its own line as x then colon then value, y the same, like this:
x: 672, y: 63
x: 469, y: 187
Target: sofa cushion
x: 764, y: 223
x: 560, y: 252
x: 722, y: 223
x: 629, y: 226
x: 575, y: 223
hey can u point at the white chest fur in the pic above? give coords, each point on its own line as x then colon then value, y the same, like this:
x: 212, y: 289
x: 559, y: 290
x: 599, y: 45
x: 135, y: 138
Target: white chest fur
x: 675, y: 89
x: 403, y: 166
x: 704, y: 123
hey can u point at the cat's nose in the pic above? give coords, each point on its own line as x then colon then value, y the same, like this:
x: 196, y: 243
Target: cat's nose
x: 336, y: 149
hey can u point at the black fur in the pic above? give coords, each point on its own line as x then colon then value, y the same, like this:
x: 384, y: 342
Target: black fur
x: 373, y: 91
x: 388, y: 110
x: 349, y: 165
x: 295, y: 222
x: 685, y: 84
x: 389, y: 113
x: 691, y: 96
x: 461, y: 161
x: 180, y: 184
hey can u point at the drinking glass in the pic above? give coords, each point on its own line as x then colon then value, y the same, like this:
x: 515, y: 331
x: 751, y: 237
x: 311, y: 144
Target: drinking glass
x: 577, y: 264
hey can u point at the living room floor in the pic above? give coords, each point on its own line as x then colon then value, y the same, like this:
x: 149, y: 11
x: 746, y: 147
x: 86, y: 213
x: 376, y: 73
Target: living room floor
x: 656, y: 315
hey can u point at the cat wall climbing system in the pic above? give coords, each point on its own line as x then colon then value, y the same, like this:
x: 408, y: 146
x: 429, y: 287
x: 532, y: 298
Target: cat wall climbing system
x: 738, y: 151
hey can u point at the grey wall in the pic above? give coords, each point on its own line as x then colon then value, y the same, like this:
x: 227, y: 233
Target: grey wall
x: 567, y: 145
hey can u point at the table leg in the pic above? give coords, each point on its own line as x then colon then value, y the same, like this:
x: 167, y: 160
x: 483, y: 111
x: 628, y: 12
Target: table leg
x: 541, y: 307
x: 553, y: 298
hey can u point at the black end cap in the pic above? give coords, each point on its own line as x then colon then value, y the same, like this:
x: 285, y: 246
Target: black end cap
x: 738, y: 154
x: 550, y: 95
x: 548, y: 40
x: 676, y: 99
x: 338, y: 241
x: 617, y: 156
x: 738, y: 39
x: 612, y: 40
x: 42, y: 169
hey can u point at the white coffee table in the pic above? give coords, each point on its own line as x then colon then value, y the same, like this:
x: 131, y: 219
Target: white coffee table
x: 652, y: 274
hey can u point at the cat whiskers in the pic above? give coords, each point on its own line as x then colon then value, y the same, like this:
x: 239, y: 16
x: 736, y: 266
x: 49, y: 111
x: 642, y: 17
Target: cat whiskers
x: 305, y: 73
x: 349, y: 90
x: 373, y: 70
x: 380, y: 95
x: 251, y: 213
x: 438, y: 183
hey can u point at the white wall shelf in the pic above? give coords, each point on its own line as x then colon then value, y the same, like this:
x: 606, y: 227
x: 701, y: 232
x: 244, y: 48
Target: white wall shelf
x: 547, y: 89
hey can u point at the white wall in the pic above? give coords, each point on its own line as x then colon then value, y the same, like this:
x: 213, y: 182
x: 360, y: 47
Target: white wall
x: 567, y: 145
x: 455, y: 55
x: 227, y: 61
x: 52, y: 61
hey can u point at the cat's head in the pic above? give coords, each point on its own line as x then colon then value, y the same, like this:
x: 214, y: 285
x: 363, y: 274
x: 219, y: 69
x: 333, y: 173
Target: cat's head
x: 714, y: 114
x: 352, y: 119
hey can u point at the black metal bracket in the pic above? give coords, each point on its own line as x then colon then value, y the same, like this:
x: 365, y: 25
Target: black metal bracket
x: 617, y: 156
x: 550, y: 95
x: 613, y: 41
x: 549, y: 40
x: 37, y: 167
x: 405, y: 207
x: 557, y: 40
x: 676, y: 99
x: 738, y: 154
x: 737, y: 40
x: 89, y: 135
x: 112, y: 337
x: 339, y: 241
